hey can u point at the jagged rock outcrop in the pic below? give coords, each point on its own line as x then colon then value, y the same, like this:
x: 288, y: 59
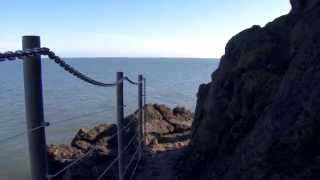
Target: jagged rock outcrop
x: 161, y: 120
x: 259, y: 116
x: 162, y: 123
x: 99, y: 141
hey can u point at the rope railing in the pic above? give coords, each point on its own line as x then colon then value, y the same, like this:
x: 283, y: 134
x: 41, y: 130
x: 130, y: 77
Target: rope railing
x: 21, y: 54
x: 78, y: 117
x: 31, y: 56
x: 24, y: 133
x: 50, y: 176
x: 117, y: 158
x: 74, y: 162
x: 130, y: 162
x: 124, y: 128
x: 47, y: 124
x: 131, y: 81
x: 135, y: 168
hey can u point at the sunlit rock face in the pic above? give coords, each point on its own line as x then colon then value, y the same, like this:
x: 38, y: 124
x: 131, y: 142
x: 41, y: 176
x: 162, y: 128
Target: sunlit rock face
x: 259, y: 117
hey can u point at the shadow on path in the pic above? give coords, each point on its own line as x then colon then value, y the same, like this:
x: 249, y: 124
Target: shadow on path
x: 159, y: 160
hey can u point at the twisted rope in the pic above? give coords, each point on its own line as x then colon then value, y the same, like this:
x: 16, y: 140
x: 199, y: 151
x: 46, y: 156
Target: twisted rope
x: 131, y: 81
x: 10, y: 55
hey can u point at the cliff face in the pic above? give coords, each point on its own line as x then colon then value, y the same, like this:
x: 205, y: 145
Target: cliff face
x: 259, y: 117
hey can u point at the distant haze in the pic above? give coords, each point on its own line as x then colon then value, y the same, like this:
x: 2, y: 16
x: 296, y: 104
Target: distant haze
x: 144, y: 28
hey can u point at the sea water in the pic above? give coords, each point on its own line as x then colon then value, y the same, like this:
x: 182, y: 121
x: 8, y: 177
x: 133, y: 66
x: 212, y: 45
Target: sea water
x: 70, y: 104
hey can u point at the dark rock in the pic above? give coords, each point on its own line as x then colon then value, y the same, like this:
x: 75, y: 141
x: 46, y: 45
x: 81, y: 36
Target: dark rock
x: 300, y: 6
x: 179, y: 117
x: 63, y: 152
x: 156, y: 119
x: 99, y: 135
x: 102, y: 142
x: 161, y: 119
x: 259, y: 116
x: 99, y: 140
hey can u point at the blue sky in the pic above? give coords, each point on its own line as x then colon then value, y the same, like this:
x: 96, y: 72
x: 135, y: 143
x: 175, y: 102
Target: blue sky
x: 166, y: 28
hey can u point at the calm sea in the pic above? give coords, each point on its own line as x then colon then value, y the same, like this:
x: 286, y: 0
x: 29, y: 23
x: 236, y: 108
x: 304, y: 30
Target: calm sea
x: 71, y: 104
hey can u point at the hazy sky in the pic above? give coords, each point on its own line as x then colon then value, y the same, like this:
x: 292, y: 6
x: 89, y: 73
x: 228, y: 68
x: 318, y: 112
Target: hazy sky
x: 170, y: 28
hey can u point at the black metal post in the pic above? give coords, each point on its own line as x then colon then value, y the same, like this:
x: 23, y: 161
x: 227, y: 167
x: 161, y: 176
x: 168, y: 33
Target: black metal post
x: 140, y: 96
x: 144, y: 113
x: 120, y: 119
x: 34, y: 109
x: 144, y: 91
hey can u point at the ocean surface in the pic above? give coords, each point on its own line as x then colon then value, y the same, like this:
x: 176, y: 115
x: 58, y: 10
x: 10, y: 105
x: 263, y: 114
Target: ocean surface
x: 70, y: 103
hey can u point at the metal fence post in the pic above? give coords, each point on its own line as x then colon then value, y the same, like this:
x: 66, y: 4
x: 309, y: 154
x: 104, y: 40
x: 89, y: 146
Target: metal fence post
x: 144, y: 114
x: 120, y: 119
x: 140, y: 89
x: 34, y: 109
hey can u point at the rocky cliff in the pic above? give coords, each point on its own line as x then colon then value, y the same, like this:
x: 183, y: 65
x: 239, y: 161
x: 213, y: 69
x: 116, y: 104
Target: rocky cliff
x: 259, y: 117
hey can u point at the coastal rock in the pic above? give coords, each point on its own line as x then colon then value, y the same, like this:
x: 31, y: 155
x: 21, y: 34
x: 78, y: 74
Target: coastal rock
x: 85, y: 139
x: 179, y: 118
x: 102, y: 142
x: 63, y: 152
x: 161, y: 120
x: 259, y: 116
x: 300, y: 6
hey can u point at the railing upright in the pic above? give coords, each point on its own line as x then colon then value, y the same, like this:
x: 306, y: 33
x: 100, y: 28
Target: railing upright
x: 144, y: 114
x: 120, y: 120
x: 140, y: 105
x: 34, y: 109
